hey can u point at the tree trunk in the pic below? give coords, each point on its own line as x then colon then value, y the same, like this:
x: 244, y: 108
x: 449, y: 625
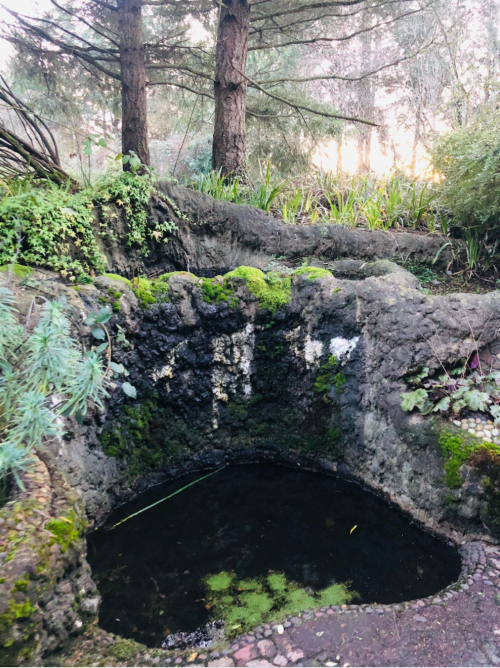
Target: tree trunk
x: 229, y: 145
x: 133, y: 81
x: 366, y: 97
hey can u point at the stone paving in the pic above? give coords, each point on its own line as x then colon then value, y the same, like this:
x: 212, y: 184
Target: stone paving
x: 459, y: 627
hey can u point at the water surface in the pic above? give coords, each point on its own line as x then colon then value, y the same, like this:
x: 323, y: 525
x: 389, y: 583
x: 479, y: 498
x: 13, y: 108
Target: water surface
x: 251, y: 520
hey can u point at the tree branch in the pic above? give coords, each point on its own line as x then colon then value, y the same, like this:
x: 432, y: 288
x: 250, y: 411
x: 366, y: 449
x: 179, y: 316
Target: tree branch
x: 302, y: 107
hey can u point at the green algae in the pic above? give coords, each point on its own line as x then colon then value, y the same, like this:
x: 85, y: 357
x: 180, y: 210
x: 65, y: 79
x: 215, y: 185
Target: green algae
x: 244, y: 604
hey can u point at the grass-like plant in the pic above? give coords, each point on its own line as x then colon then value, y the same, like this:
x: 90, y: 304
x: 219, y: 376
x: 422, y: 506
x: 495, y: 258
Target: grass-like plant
x: 359, y: 201
x: 45, y: 375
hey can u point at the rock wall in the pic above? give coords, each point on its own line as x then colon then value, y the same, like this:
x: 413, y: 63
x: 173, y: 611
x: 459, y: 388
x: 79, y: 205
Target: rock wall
x: 319, y: 380
x: 214, y: 237
x: 316, y: 382
x: 46, y: 592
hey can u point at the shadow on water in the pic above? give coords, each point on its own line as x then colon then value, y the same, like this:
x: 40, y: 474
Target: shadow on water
x: 250, y: 520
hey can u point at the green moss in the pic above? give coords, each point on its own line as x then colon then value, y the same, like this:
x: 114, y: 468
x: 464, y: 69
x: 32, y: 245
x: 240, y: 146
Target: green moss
x: 66, y: 530
x: 115, y: 277
x: 125, y: 650
x: 18, y: 270
x: 150, y: 291
x: 21, y: 585
x: 247, y: 603
x: 458, y: 448
x: 329, y: 377
x: 213, y: 292
x: 271, y: 289
x: 238, y: 410
x: 166, y: 277
x: 139, y: 438
x: 15, y: 611
x: 143, y: 290
x: 313, y: 273
x: 116, y: 306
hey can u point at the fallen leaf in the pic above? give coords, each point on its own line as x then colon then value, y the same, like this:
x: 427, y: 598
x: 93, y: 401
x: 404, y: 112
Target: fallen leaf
x: 192, y: 656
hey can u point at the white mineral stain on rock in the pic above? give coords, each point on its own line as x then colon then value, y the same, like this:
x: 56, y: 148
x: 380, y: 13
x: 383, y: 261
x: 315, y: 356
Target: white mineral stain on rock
x: 313, y: 350
x: 342, y: 348
x: 232, y: 356
x: 165, y: 372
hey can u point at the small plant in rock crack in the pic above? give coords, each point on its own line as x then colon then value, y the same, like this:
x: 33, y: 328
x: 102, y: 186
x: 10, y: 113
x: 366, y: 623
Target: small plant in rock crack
x: 465, y: 386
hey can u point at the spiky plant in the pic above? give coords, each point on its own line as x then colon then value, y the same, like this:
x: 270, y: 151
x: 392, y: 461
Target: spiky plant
x: 44, y: 376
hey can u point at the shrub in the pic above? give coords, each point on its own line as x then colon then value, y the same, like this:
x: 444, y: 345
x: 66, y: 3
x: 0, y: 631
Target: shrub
x: 51, y: 226
x: 469, y: 161
x: 43, y: 375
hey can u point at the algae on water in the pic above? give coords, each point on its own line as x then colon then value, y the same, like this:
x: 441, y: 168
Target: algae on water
x: 244, y: 604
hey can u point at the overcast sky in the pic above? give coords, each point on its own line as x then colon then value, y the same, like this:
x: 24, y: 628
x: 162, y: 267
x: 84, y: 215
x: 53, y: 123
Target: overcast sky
x: 30, y: 7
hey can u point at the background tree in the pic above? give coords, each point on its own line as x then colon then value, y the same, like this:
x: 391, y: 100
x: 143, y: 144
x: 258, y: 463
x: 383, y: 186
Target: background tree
x: 107, y: 41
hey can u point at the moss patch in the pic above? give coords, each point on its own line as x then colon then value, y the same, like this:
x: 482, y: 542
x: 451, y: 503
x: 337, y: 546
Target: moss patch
x: 66, y: 530
x: 313, y: 273
x: 329, y: 377
x: 272, y: 290
x: 213, y: 292
x: 244, y: 604
x: 18, y: 270
x: 457, y: 449
x: 125, y: 650
x: 139, y: 438
x: 116, y: 277
x: 487, y: 462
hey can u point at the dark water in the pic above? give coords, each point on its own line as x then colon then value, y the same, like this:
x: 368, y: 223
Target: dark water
x: 252, y: 519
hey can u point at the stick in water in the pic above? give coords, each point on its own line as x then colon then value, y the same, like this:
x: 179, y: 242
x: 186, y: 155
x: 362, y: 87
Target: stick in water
x: 167, y: 497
